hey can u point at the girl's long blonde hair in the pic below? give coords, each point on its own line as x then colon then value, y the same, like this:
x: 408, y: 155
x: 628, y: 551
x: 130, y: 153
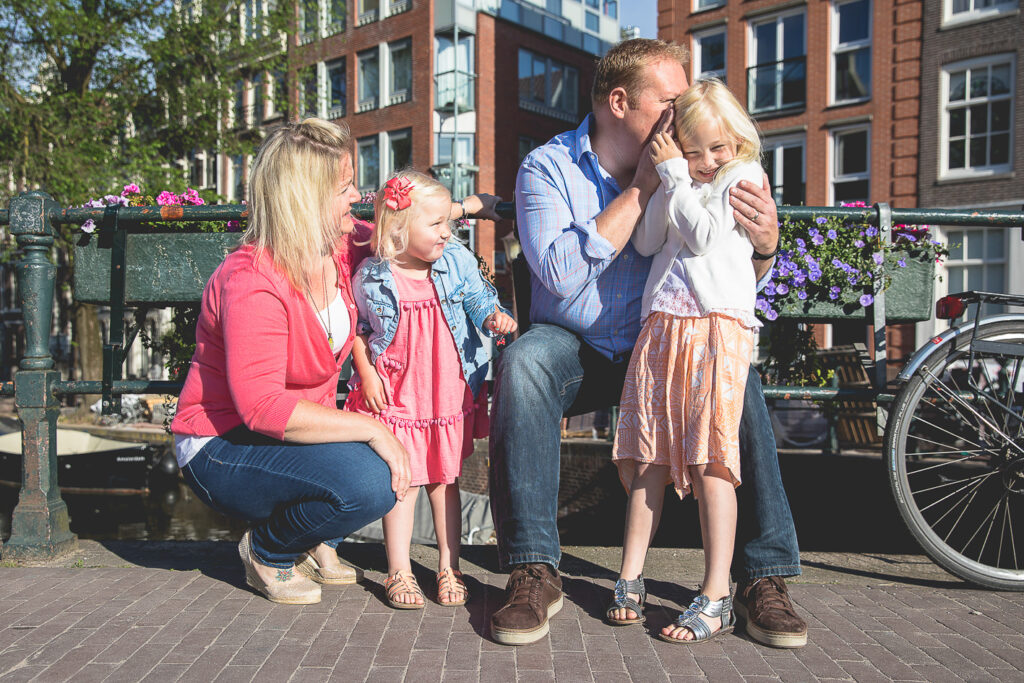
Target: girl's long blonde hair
x: 709, y: 98
x: 291, y: 195
x: 391, y: 236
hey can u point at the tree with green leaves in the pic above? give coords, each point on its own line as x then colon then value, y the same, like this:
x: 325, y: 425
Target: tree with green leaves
x: 95, y: 93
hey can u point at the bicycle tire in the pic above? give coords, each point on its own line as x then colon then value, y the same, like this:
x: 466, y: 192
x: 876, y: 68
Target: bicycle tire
x: 963, y: 438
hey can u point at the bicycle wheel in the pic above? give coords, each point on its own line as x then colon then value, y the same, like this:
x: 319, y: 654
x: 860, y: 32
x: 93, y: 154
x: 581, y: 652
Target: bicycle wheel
x: 954, y: 451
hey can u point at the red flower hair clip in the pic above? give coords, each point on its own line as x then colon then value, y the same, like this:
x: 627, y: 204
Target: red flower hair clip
x: 396, y: 193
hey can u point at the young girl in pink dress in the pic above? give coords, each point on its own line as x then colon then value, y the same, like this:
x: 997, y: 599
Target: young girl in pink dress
x: 683, y: 395
x: 420, y: 366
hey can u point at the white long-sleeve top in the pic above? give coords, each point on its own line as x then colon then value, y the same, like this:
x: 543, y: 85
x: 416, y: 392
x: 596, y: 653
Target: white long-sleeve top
x: 693, y: 223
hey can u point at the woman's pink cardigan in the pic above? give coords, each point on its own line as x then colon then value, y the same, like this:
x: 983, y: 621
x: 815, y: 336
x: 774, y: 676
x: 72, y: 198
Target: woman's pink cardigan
x: 260, y: 347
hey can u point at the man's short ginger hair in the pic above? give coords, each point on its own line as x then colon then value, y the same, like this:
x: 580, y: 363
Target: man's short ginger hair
x: 623, y: 67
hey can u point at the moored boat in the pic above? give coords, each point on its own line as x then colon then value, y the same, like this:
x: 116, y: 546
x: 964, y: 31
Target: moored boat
x: 87, y: 463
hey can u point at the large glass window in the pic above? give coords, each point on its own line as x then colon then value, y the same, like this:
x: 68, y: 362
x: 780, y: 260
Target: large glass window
x: 978, y: 118
x: 777, y: 77
x: 548, y: 86
x: 454, y: 69
x: 369, y: 10
x: 337, y: 96
x: 707, y: 4
x: 977, y: 261
x: 593, y: 22
x: 611, y: 8
x: 400, y: 148
x: 237, y: 179
x: 369, y: 163
x: 966, y: 10
x: 851, y: 165
x: 338, y: 11
x: 401, y: 71
x: 258, y: 108
x: 309, y: 20
x: 369, y: 79
x: 709, y: 54
x: 783, y: 161
x: 851, y: 48
x: 309, y: 103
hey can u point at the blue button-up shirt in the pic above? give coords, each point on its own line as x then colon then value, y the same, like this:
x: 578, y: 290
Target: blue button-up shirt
x: 578, y: 281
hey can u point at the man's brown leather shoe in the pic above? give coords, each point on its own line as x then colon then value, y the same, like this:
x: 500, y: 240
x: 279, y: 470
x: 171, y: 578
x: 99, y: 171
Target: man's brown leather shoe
x: 769, y: 615
x: 534, y: 595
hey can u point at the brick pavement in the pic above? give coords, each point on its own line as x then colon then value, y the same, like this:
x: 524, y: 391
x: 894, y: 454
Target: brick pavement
x: 149, y: 620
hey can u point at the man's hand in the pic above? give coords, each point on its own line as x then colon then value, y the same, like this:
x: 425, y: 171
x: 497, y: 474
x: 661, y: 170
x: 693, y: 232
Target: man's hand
x: 374, y: 392
x: 754, y: 210
x: 502, y: 323
x: 646, y: 177
x: 481, y: 206
x: 663, y: 147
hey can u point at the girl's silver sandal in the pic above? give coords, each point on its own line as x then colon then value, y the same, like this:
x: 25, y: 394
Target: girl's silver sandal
x: 621, y: 600
x: 690, y: 619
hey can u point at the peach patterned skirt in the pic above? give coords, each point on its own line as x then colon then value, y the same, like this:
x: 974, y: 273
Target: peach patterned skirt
x: 683, y: 397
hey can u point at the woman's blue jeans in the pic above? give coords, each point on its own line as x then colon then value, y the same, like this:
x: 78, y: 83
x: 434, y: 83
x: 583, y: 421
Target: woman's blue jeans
x: 296, y: 496
x: 547, y: 373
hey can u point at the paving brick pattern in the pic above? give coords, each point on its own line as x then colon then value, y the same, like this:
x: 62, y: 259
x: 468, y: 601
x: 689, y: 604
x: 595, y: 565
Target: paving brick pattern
x: 139, y: 624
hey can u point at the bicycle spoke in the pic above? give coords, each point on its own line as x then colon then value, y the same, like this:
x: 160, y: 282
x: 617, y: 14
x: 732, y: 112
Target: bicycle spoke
x: 1013, y: 546
x: 918, y: 470
x: 988, y: 533
x: 972, y: 492
x: 969, y: 540
x: 956, y: 398
x: 951, y: 483
x: 939, y: 428
x: 989, y: 383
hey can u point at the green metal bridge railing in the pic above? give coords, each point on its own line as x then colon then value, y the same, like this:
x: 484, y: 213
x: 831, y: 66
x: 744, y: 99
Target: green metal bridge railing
x: 40, y: 520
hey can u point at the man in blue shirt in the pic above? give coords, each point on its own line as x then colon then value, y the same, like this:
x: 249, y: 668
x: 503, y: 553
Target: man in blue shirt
x: 578, y: 198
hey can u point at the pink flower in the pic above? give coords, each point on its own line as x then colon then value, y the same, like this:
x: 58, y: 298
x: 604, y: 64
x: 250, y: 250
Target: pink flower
x: 192, y: 197
x: 130, y: 188
x: 166, y: 198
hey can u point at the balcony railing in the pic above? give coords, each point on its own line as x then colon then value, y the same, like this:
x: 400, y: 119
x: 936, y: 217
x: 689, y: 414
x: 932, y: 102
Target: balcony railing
x: 454, y: 88
x: 777, y: 86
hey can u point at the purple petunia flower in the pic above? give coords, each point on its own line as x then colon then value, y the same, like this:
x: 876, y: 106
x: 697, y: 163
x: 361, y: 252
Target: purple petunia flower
x: 801, y: 294
x: 89, y: 226
x: 859, y: 244
x: 821, y: 220
x: 833, y: 293
x: 771, y: 314
x: 818, y: 239
x: 866, y: 300
x: 877, y: 258
x: 832, y: 234
x: 800, y: 243
x: 761, y: 304
x: 770, y: 289
x: 782, y: 288
x: 902, y: 263
x: 871, y: 231
x: 812, y: 232
x: 837, y: 263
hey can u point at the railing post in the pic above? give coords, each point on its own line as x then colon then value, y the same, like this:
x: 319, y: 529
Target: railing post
x: 39, y: 524
x: 878, y: 307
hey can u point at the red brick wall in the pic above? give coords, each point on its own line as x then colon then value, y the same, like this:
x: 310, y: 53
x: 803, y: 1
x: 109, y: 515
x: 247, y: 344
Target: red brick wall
x: 500, y: 126
x: 417, y: 23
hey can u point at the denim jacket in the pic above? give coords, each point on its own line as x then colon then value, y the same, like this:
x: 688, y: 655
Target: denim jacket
x: 466, y: 300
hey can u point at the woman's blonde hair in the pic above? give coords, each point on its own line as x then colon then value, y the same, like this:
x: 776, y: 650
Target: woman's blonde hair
x: 391, y: 236
x: 292, y: 187
x: 709, y: 98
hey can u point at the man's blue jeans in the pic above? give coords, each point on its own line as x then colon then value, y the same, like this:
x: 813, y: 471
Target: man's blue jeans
x: 547, y: 373
x: 296, y: 496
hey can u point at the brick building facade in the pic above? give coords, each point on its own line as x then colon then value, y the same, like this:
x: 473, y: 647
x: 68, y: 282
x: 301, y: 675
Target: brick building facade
x: 834, y: 87
x: 462, y: 87
x: 972, y: 136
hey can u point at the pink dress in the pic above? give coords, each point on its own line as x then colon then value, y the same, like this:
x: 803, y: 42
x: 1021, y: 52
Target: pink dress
x: 432, y: 410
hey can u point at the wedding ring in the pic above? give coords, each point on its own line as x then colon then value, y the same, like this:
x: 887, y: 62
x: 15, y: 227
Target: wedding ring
x: 756, y: 214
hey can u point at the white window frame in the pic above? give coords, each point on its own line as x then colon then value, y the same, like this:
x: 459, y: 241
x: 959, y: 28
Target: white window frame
x: 331, y: 28
x: 702, y: 5
x: 779, y: 49
x: 390, y: 137
x: 396, y: 96
x: 842, y: 48
x: 307, y: 34
x: 319, y: 77
x: 833, y: 162
x: 1001, y: 8
x: 365, y: 141
x: 985, y: 261
x: 779, y: 143
x: 335, y: 112
x: 364, y: 16
x: 698, y: 69
x: 384, y: 161
x: 369, y: 103
x: 945, y: 172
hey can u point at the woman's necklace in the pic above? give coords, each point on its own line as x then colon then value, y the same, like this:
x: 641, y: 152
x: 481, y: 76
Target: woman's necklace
x: 326, y: 325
